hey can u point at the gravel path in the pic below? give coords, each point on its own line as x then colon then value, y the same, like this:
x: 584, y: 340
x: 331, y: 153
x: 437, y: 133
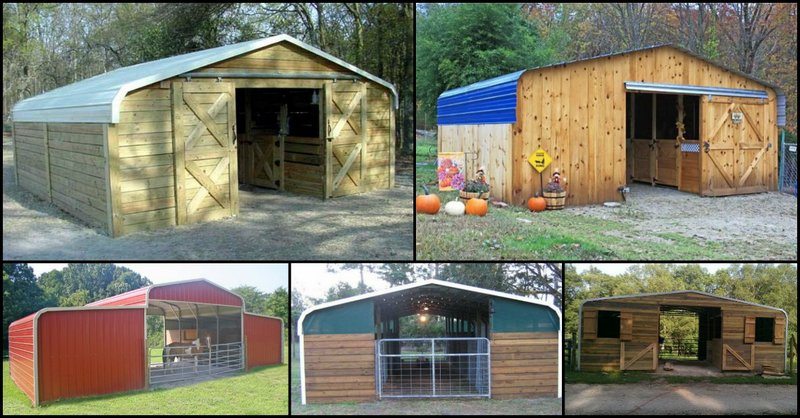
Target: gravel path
x: 271, y: 226
x: 688, y: 399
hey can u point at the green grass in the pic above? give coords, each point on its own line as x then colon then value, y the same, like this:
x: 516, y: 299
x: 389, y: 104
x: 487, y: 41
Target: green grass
x: 516, y: 233
x: 259, y: 391
x: 541, y: 406
x: 598, y: 378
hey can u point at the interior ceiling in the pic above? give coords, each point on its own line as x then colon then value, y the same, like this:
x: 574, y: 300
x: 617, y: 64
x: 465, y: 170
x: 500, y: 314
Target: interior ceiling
x: 439, y: 300
x: 170, y: 309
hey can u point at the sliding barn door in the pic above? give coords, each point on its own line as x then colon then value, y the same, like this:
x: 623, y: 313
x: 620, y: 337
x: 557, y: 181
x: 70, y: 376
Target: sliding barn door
x: 346, y: 134
x: 737, y: 146
x: 203, y: 117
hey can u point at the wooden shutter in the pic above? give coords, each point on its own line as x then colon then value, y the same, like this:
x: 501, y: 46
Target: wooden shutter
x: 625, y: 326
x: 779, y: 331
x: 749, y: 329
x: 589, y: 325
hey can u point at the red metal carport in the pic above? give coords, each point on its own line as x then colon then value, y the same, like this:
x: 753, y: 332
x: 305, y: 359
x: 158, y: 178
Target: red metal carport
x: 59, y: 353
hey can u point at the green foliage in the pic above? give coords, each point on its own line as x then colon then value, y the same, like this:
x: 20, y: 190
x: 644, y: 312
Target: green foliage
x: 277, y: 304
x: 414, y: 327
x: 299, y: 305
x: 343, y: 290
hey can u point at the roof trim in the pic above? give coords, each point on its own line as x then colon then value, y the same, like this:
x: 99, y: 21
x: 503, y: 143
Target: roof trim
x: 421, y: 284
x: 694, y: 89
x: 105, y: 108
x: 684, y: 291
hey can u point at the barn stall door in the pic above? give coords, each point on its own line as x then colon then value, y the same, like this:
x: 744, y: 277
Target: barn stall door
x: 735, y: 146
x: 266, y: 161
x: 346, y: 134
x: 206, y: 185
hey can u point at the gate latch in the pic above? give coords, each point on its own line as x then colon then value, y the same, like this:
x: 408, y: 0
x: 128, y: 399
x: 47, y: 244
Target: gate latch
x: 706, y: 146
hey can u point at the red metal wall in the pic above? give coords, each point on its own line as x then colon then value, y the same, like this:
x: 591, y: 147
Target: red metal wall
x: 90, y: 352
x: 263, y: 336
x: 20, y: 354
x: 201, y: 292
x: 133, y: 297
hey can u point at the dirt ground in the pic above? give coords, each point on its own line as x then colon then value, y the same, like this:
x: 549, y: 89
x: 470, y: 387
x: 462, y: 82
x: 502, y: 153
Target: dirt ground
x: 767, y: 221
x: 682, y: 399
x: 271, y: 226
x: 693, y: 368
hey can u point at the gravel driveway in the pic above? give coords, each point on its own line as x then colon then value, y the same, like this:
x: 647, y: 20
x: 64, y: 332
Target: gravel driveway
x: 682, y: 399
x: 271, y: 226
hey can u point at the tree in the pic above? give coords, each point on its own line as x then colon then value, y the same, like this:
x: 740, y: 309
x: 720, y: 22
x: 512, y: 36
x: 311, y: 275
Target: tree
x: 298, y: 306
x: 343, y: 290
x: 277, y: 304
x: 254, y: 299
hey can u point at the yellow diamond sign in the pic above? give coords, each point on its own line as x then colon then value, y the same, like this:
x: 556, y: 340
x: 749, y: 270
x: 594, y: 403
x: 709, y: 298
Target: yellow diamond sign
x: 540, y: 160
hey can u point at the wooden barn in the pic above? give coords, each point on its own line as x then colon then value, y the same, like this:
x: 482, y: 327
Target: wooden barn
x: 659, y: 115
x: 168, y: 142
x: 460, y: 341
x: 622, y: 332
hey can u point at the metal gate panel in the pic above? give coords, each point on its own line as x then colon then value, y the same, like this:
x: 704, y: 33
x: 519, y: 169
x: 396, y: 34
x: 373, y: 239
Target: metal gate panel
x: 433, y: 367
x: 183, y: 364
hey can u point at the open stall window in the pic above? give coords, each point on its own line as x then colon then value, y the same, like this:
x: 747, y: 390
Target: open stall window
x: 765, y: 329
x: 607, y: 324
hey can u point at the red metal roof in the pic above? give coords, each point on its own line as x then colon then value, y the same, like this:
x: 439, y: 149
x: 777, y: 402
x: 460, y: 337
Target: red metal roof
x: 133, y: 297
x: 197, y: 290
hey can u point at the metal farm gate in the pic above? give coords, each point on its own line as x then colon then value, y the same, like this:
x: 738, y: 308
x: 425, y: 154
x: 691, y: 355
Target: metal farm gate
x: 190, y: 363
x: 787, y: 181
x: 433, y: 367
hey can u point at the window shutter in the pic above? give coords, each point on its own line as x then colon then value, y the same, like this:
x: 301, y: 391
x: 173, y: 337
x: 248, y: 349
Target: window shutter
x: 625, y: 326
x: 780, y: 330
x: 589, y: 325
x: 749, y: 329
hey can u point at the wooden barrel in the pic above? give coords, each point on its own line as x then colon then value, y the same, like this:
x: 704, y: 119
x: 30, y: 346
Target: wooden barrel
x: 470, y: 195
x: 555, y: 200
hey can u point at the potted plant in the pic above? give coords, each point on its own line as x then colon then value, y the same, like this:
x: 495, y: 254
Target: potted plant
x: 477, y: 188
x: 554, y: 194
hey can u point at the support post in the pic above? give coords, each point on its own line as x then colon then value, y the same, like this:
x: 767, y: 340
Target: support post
x: 653, y: 146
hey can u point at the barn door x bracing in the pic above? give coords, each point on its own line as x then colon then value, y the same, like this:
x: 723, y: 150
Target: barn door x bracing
x: 203, y: 117
x: 735, y: 146
x: 346, y: 133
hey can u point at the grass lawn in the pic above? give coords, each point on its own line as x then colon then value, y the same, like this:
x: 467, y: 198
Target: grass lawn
x: 543, y: 406
x: 260, y: 391
x: 517, y: 233
x: 637, y: 377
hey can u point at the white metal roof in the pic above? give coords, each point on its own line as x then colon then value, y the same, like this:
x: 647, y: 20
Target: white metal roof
x: 97, y: 99
x: 420, y: 284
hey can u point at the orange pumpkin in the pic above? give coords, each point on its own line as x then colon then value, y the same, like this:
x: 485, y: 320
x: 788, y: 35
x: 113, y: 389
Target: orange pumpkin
x: 477, y: 207
x: 428, y: 203
x: 537, y: 204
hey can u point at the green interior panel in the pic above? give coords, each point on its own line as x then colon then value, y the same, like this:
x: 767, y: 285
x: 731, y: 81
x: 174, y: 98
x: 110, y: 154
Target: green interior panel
x: 350, y: 318
x: 515, y: 316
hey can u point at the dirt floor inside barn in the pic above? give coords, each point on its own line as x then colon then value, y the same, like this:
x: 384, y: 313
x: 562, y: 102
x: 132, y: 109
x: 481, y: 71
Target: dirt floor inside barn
x: 271, y: 226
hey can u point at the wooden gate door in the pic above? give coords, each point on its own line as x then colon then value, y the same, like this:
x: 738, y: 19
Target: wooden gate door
x: 266, y: 169
x: 736, y: 141
x: 203, y: 117
x: 346, y: 134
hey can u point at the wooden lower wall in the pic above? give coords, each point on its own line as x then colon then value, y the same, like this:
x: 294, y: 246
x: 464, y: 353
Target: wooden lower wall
x: 524, y: 364
x: 339, y: 367
x: 65, y: 163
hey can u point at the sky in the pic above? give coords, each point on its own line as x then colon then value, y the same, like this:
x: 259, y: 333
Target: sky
x: 264, y: 277
x: 618, y: 268
x: 313, y: 279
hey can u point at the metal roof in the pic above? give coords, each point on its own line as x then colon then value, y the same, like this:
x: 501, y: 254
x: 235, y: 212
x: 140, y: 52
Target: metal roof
x: 688, y: 303
x: 699, y: 90
x: 98, y: 99
x: 460, y: 107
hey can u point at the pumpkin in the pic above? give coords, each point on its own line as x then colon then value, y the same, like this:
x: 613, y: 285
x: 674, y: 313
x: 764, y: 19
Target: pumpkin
x: 477, y: 207
x: 537, y: 203
x: 428, y: 203
x: 454, y: 208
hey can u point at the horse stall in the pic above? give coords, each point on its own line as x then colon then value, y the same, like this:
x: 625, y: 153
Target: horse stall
x: 100, y: 348
x: 168, y: 142
x: 623, y: 333
x: 488, y: 345
x: 660, y: 115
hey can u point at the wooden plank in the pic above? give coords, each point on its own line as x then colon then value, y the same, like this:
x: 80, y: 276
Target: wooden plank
x: 233, y: 167
x: 589, y: 325
x: 47, y: 162
x: 338, y: 337
x: 222, y: 168
x: 523, y: 335
x: 345, y: 116
x: 178, y: 147
x: 626, y: 326
x: 364, y: 133
x: 341, y: 344
x: 749, y: 329
x: 113, y: 180
x: 346, y: 167
x: 326, y: 118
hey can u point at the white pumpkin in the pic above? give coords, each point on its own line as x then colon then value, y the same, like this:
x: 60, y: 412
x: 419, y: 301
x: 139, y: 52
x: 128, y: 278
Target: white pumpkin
x: 454, y: 208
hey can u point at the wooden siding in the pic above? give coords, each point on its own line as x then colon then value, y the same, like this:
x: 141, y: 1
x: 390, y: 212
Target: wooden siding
x: 65, y: 163
x: 604, y: 353
x: 524, y: 364
x: 339, y: 367
x: 486, y: 145
x: 576, y: 112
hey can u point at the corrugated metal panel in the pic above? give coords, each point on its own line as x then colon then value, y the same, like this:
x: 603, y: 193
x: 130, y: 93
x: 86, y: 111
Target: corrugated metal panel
x: 133, y: 297
x: 197, y: 291
x: 781, y: 109
x: 90, y: 352
x: 98, y: 99
x: 351, y: 318
x: 484, y: 102
x: 699, y: 90
x: 20, y: 354
x: 263, y: 336
x: 514, y: 316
